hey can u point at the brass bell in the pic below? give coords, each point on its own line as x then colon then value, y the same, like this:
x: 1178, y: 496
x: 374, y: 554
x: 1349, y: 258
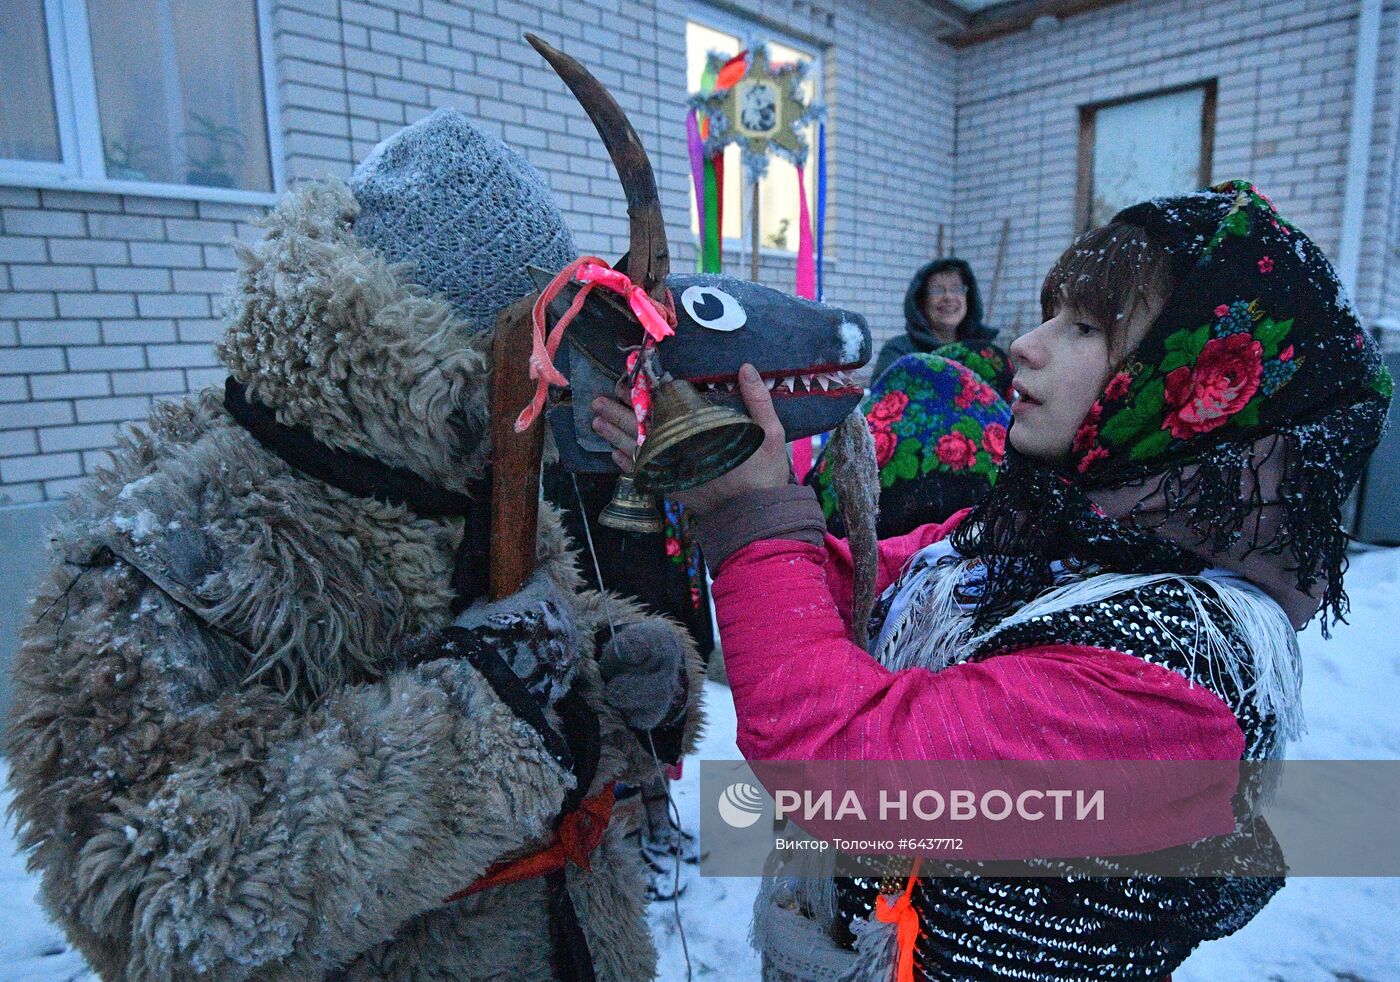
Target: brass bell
x: 691, y: 441
x: 631, y: 511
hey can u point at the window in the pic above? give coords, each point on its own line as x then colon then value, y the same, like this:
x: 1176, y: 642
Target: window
x: 145, y: 96
x: 28, y: 121
x: 1140, y: 148
x: 777, y: 189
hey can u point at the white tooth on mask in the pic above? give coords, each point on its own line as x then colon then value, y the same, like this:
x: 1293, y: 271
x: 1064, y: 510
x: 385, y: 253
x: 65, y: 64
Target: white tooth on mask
x: 790, y: 383
x: 770, y: 382
x: 824, y: 381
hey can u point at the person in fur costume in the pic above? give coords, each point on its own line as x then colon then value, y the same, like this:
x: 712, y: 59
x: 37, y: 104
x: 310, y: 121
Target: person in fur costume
x: 264, y: 726
x: 1192, y: 415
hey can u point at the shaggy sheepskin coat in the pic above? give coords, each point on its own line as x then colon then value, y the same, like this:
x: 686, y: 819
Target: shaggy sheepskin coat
x: 222, y: 767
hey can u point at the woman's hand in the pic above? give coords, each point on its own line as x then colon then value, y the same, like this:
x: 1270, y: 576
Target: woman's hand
x: 615, y: 422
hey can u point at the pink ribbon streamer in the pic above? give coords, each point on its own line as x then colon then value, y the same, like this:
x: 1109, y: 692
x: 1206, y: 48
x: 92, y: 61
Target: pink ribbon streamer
x: 806, y: 263
x: 655, y: 319
x: 640, y: 395
x: 806, y: 287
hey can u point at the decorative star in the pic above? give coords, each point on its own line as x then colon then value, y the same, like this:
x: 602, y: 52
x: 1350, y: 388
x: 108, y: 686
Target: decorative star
x: 764, y: 112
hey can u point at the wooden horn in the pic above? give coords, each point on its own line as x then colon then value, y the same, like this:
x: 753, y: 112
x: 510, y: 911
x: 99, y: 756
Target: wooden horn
x: 649, y: 257
x: 515, y: 457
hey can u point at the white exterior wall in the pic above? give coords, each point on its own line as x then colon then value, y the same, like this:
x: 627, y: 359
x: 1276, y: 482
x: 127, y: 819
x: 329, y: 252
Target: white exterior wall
x: 106, y: 302
x: 1284, y: 70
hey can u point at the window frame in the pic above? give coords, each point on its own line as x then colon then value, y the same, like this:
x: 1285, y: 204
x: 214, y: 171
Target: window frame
x: 745, y: 29
x: 1084, y: 183
x: 82, y: 167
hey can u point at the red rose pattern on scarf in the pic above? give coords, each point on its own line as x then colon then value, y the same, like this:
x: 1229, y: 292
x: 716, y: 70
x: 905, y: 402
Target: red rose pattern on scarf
x: 929, y: 415
x: 1215, y: 375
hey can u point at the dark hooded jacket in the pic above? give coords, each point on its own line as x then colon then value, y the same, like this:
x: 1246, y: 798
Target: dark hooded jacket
x: 918, y: 333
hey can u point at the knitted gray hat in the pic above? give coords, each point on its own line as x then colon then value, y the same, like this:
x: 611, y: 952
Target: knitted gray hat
x: 464, y: 210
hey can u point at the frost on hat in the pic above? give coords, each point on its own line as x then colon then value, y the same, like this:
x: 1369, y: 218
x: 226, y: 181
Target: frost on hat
x: 466, y: 212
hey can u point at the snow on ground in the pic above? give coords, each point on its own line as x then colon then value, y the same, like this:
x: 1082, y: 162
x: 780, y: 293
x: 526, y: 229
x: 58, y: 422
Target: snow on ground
x: 1314, y: 930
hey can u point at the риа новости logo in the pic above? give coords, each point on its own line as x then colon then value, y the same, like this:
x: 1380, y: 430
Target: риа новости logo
x: 740, y: 805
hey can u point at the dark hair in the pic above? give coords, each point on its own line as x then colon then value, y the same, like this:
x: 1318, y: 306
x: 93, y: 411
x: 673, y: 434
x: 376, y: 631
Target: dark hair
x: 1106, y: 274
x: 946, y: 266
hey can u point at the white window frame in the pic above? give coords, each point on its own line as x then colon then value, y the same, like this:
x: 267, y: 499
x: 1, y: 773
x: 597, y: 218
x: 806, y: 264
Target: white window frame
x: 748, y: 29
x: 82, y: 167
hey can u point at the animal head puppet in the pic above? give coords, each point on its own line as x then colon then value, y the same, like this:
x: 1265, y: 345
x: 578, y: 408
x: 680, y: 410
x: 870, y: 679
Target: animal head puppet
x: 805, y: 350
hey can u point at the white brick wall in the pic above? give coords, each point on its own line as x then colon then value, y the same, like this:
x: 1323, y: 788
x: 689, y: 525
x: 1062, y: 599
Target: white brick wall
x: 1284, y: 71
x: 109, y: 302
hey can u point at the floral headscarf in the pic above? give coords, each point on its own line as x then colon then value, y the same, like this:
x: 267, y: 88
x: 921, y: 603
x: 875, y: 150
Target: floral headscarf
x: 985, y: 359
x: 940, y: 435
x: 1257, y: 346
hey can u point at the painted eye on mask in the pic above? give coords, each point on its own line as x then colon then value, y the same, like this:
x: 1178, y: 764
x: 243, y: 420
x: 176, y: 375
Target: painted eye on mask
x: 712, y: 308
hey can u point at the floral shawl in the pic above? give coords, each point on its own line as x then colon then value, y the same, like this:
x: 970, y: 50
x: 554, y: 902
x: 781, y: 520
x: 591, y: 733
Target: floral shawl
x: 940, y: 435
x: 1257, y: 345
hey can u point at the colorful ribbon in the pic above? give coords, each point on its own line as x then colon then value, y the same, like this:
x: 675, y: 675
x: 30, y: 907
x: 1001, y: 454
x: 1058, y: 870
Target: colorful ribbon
x: 806, y: 272
x: 901, y: 913
x: 657, y: 320
x: 696, y: 148
x: 640, y: 394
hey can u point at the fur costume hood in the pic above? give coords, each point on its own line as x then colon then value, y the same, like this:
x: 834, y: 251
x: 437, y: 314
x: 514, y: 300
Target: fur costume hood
x: 224, y: 764
x: 326, y: 332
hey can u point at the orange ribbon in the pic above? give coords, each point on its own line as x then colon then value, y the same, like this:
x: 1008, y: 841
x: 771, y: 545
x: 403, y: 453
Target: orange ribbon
x: 901, y: 913
x: 578, y: 834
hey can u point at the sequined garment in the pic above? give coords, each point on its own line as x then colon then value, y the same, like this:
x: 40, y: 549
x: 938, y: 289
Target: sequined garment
x: 979, y: 929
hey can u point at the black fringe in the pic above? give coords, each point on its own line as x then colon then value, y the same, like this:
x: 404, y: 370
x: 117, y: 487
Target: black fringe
x: 1037, y: 514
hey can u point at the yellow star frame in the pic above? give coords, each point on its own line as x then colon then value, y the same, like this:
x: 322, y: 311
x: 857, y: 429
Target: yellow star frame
x: 764, y: 112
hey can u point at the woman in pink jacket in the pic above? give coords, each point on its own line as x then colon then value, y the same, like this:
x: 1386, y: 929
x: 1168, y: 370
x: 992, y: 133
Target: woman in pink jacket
x: 1191, y: 415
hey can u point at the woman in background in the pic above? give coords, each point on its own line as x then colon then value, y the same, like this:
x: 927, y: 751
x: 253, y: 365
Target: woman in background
x: 942, y: 305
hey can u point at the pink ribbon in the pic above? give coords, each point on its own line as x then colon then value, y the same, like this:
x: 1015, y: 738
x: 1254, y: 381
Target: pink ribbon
x: 806, y: 264
x: 640, y: 394
x: 695, y: 147
x: 656, y: 320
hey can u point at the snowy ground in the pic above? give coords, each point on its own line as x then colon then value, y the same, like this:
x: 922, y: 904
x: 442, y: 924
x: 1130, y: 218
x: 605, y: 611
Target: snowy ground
x: 1315, y: 930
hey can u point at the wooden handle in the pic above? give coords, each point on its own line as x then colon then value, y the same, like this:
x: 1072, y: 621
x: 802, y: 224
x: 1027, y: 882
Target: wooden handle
x: 515, y: 457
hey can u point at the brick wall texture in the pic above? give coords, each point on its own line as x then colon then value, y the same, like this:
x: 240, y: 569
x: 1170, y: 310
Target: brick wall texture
x: 1284, y: 73
x: 110, y: 301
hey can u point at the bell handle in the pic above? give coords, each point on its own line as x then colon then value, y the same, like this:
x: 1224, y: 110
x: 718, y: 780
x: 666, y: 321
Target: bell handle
x: 515, y: 457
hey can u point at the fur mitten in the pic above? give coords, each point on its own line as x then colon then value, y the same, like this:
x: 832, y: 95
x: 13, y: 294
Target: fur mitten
x: 643, y: 669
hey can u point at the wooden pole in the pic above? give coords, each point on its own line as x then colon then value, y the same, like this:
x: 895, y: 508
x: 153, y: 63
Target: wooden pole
x: 515, y: 457
x: 939, y: 254
x: 996, y: 270
x: 753, y: 235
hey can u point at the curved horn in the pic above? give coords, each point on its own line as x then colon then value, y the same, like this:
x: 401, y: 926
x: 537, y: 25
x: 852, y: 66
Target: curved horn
x: 649, y: 258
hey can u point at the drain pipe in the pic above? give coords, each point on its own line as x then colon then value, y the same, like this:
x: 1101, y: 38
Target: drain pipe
x: 1363, y: 110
